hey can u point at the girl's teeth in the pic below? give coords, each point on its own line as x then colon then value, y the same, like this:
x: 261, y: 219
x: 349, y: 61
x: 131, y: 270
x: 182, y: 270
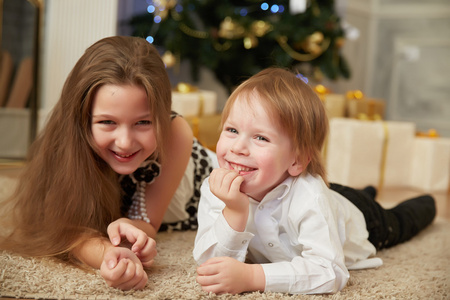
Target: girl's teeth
x: 124, y: 156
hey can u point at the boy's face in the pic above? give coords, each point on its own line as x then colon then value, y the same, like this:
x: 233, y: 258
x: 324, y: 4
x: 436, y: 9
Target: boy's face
x: 253, y: 144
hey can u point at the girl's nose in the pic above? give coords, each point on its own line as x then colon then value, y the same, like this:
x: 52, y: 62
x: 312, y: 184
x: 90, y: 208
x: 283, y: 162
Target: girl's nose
x: 239, y: 147
x: 124, y: 139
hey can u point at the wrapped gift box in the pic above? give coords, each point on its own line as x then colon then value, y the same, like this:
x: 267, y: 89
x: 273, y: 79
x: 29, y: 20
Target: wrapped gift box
x: 430, y: 164
x: 335, y: 104
x: 357, y: 105
x: 206, y: 129
x: 361, y: 153
x: 194, y: 102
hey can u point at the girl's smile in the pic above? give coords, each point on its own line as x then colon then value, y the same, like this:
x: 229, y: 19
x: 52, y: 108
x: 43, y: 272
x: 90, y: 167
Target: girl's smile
x: 122, y: 127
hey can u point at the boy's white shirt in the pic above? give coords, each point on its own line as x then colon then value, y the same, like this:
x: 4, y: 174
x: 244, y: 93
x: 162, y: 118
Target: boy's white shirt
x: 304, y: 235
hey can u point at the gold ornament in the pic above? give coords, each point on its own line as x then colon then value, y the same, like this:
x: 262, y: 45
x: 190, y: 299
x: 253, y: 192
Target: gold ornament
x: 169, y: 59
x: 185, y: 88
x: 260, y: 28
x: 339, y: 42
x: 250, y: 42
x: 312, y: 43
x: 162, y: 7
x: 230, y: 29
x: 283, y: 42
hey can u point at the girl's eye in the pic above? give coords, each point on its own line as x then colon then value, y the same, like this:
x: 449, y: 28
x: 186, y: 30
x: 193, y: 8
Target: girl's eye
x: 144, y: 122
x: 106, y: 122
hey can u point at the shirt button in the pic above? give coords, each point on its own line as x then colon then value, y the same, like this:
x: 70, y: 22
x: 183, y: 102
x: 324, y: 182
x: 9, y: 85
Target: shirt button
x: 244, y: 242
x: 270, y: 244
x: 261, y: 207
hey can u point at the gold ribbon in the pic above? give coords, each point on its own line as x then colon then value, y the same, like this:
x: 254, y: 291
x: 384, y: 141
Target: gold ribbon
x: 321, y: 91
x: 431, y: 133
x: 355, y: 94
x: 185, y: 88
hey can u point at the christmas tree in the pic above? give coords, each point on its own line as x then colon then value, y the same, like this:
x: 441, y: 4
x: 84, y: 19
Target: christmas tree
x: 236, y: 39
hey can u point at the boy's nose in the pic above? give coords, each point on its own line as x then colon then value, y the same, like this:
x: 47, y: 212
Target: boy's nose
x: 239, y: 147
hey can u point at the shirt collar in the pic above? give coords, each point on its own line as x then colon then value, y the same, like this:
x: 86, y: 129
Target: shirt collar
x: 281, y: 190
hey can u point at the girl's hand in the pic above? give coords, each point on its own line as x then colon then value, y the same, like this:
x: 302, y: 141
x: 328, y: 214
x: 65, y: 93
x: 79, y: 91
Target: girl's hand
x: 142, y: 246
x: 221, y: 275
x: 122, y: 269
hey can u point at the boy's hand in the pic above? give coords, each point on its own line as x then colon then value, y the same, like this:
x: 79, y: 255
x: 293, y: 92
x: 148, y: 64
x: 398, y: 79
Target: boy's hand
x: 122, y: 269
x: 221, y: 275
x: 225, y: 185
x: 143, y: 246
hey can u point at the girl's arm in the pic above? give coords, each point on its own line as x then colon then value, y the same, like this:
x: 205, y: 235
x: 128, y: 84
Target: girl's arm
x: 119, y: 266
x: 160, y: 192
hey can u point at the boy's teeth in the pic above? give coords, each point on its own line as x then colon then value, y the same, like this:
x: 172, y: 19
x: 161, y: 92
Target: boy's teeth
x: 241, y: 168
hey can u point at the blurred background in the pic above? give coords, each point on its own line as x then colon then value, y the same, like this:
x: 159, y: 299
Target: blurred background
x: 395, y: 53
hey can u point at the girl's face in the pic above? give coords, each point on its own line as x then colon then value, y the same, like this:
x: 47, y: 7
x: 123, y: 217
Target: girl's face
x: 122, y: 126
x: 253, y: 144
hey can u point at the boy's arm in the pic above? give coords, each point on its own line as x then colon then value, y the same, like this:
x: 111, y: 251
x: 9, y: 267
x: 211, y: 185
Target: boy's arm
x: 226, y: 275
x: 215, y: 237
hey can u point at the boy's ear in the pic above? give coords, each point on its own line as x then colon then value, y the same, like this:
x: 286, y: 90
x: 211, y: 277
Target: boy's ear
x: 298, y: 166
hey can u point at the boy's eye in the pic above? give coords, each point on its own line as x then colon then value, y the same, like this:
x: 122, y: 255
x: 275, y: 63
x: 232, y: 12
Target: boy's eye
x: 232, y: 130
x: 261, y: 138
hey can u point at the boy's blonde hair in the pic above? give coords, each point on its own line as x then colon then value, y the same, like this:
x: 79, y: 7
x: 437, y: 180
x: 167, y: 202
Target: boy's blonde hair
x: 297, y: 109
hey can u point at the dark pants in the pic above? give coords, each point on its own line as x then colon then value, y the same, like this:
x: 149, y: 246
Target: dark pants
x: 389, y: 227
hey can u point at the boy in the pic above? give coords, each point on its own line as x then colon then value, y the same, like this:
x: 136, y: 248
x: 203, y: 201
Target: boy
x: 269, y: 201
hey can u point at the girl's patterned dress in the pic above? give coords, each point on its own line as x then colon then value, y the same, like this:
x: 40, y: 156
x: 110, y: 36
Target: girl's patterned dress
x: 150, y: 169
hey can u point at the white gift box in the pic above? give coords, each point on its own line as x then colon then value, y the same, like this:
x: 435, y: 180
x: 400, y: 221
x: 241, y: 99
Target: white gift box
x: 335, y: 105
x: 430, y: 164
x: 361, y: 153
x: 194, y: 103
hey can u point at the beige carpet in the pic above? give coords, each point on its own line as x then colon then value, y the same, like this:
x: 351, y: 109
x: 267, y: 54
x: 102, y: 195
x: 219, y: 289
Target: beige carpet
x: 418, y: 269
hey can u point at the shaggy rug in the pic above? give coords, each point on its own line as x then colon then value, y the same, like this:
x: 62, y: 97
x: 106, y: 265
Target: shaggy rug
x: 417, y: 269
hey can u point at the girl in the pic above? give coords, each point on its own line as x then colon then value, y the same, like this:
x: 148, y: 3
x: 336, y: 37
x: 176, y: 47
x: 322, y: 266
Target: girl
x: 112, y: 167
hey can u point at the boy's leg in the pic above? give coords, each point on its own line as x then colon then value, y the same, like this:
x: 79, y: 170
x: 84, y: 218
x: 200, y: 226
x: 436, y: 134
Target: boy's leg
x: 414, y: 215
x: 389, y: 227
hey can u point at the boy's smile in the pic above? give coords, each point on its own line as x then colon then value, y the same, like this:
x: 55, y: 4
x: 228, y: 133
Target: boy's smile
x: 242, y: 170
x: 253, y: 144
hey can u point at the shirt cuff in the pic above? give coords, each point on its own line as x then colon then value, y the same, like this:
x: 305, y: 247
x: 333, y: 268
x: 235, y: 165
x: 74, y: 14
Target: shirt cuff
x: 229, y: 238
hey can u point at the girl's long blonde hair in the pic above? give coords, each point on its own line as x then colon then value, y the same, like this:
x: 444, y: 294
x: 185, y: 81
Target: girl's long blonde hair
x: 296, y: 107
x: 66, y: 192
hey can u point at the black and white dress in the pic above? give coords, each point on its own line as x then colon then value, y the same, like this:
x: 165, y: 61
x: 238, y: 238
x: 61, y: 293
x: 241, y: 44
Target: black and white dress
x: 182, y: 211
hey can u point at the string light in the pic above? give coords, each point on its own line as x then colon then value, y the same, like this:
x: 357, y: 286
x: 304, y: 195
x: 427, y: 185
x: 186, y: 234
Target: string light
x: 274, y: 8
x: 150, y: 39
x: 179, y: 8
